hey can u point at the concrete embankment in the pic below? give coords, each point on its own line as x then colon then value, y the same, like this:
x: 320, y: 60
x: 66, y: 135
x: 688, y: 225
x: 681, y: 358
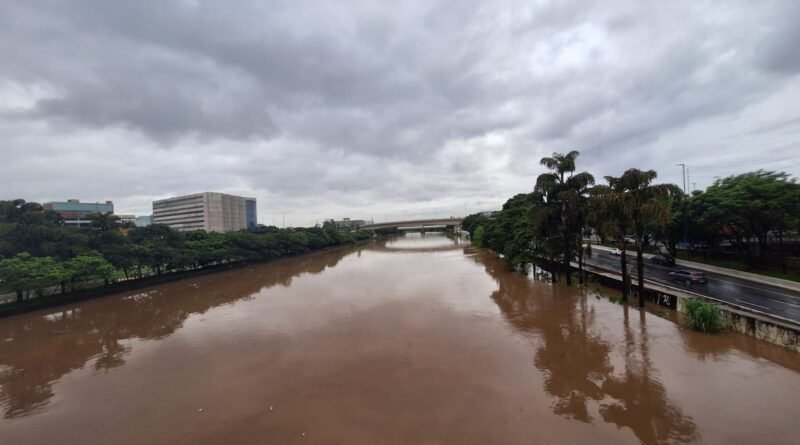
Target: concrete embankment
x: 739, y: 319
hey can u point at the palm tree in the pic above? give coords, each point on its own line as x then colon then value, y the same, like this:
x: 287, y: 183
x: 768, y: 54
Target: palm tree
x: 645, y: 204
x: 632, y: 202
x: 609, y: 206
x: 564, y: 190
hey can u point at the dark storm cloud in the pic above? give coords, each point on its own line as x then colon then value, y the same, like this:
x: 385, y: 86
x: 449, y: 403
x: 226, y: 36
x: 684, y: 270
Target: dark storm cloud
x: 358, y: 106
x: 212, y: 69
x: 780, y: 51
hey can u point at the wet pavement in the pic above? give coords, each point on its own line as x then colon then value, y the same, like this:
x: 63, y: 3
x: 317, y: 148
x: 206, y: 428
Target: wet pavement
x: 413, y: 340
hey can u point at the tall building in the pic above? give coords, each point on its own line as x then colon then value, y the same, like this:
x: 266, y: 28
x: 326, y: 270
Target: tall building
x: 76, y: 213
x: 213, y: 212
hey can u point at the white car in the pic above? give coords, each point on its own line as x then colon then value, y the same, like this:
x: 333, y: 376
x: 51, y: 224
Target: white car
x: 615, y: 251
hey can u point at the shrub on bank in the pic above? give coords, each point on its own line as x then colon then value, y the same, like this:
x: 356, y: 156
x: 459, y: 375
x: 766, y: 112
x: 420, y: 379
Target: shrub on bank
x: 704, y: 316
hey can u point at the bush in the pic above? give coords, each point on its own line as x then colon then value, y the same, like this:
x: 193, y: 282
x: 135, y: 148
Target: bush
x: 477, y: 237
x: 704, y: 316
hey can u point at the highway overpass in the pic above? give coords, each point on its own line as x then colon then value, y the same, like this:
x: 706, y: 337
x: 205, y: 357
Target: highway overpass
x: 416, y: 224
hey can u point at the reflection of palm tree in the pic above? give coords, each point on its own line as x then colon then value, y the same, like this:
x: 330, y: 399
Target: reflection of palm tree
x: 43, y: 349
x: 637, y: 396
x: 572, y: 360
x: 576, y: 362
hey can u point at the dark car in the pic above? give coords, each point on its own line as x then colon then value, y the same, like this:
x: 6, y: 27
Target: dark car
x: 665, y: 260
x: 688, y: 277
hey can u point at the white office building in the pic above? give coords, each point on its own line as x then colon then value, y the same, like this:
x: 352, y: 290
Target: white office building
x: 209, y: 211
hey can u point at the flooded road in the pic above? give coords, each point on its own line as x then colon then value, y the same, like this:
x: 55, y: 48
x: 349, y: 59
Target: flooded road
x: 415, y: 340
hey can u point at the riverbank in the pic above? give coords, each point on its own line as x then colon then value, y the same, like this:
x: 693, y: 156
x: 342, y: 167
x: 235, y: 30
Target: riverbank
x: 54, y: 300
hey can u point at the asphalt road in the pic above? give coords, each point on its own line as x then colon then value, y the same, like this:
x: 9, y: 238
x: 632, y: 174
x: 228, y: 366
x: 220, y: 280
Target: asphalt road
x: 764, y: 298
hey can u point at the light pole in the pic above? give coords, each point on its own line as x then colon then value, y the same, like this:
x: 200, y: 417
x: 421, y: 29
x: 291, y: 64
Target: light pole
x: 688, y: 180
x: 683, y: 166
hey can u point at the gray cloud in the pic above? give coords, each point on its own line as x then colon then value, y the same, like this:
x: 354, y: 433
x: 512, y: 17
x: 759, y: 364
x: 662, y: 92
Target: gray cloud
x: 351, y: 109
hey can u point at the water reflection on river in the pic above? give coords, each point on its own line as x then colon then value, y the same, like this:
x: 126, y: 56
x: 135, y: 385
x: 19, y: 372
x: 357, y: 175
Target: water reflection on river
x: 412, y: 340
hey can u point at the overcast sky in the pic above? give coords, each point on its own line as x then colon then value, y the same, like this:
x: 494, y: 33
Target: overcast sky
x: 368, y: 109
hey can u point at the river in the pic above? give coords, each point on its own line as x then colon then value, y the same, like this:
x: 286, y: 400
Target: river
x: 412, y: 340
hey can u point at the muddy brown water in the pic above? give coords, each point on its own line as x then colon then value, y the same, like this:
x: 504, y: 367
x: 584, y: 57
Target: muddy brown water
x: 416, y: 340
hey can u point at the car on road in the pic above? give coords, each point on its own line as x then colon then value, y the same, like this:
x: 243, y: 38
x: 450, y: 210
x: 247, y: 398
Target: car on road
x: 663, y: 259
x: 630, y: 240
x: 688, y: 277
x: 615, y: 251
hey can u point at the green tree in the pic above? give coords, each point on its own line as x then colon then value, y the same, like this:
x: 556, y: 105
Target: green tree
x: 645, y: 204
x: 746, y: 209
x: 565, y: 191
x: 103, y: 221
x: 24, y: 273
x: 477, y: 236
x: 88, y: 267
x: 608, y: 203
x: 632, y: 202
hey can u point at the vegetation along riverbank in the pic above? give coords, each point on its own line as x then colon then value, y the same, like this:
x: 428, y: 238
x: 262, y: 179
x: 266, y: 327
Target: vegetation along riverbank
x: 42, y: 260
x: 752, y: 218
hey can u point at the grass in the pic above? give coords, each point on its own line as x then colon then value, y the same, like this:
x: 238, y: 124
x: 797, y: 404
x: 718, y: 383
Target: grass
x: 703, y: 316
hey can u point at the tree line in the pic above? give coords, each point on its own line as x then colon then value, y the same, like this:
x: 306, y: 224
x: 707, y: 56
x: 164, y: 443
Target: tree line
x: 38, y: 252
x: 748, y: 213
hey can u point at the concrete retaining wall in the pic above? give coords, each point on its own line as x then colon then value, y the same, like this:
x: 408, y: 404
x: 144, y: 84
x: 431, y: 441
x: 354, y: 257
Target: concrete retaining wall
x: 743, y: 320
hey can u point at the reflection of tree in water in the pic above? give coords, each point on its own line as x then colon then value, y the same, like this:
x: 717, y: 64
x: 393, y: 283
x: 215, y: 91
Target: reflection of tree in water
x: 35, y: 351
x: 641, y: 400
x: 573, y: 361
x: 576, y: 363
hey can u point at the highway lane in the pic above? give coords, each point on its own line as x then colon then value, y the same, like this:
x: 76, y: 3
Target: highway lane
x: 764, y: 298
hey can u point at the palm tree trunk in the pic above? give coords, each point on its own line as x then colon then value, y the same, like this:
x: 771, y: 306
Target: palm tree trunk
x: 566, y: 258
x: 640, y: 270
x: 624, y: 267
x: 580, y: 263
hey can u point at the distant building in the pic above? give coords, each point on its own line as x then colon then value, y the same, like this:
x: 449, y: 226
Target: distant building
x: 127, y: 218
x: 348, y: 224
x: 76, y: 213
x: 213, y: 212
x: 138, y: 221
x: 143, y: 221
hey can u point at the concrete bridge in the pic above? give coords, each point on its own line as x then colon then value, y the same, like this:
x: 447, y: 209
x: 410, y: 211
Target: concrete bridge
x: 417, y: 224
